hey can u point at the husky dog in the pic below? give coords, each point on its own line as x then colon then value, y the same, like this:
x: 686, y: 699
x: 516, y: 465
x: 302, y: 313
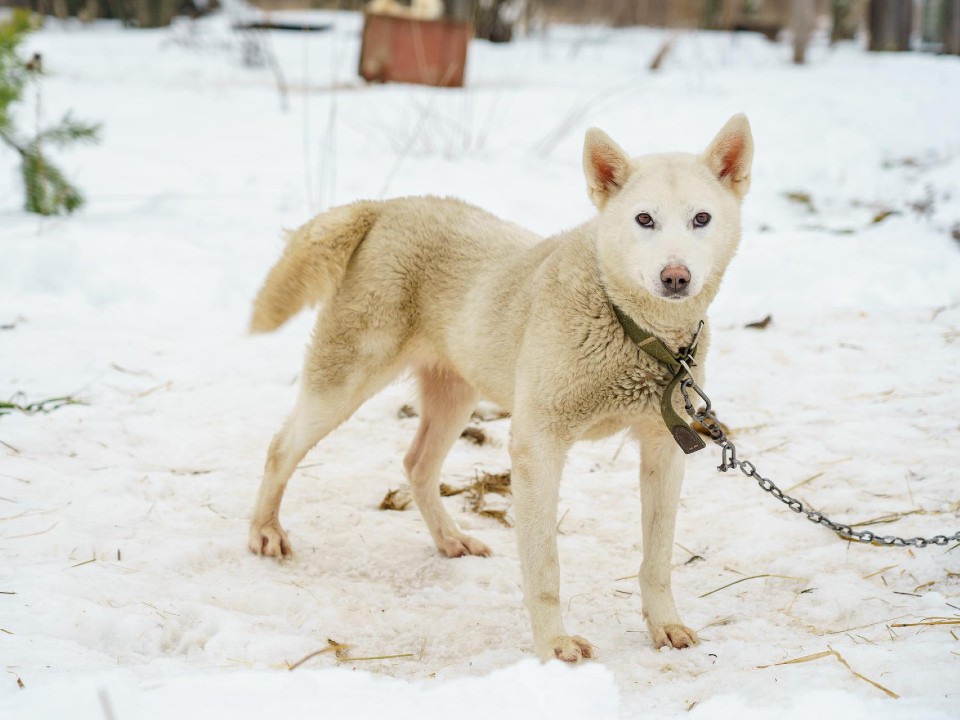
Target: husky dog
x: 479, y: 307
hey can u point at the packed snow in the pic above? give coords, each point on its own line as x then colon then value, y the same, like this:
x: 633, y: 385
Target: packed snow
x: 126, y: 589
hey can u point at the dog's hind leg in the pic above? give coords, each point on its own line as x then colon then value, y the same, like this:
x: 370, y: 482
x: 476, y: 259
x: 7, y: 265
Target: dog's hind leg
x: 311, y: 419
x: 336, y: 381
x: 446, y: 403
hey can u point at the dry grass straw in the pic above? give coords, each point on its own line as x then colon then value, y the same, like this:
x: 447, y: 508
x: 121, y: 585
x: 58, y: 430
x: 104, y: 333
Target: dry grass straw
x: 891, y: 517
x: 26, y: 513
x: 399, y: 499
x: 34, y: 534
x: 844, y: 631
x: 830, y: 652
x: 930, y: 621
x: 880, y: 571
x: 407, y: 411
x: 803, y: 199
x: 475, y: 494
x: 804, y: 482
x: 475, y: 435
x: 20, y: 683
x: 752, y: 577
x: 341, y: 652
x: 760, y: 324
x: 883, y: 215
x: 85, y: 562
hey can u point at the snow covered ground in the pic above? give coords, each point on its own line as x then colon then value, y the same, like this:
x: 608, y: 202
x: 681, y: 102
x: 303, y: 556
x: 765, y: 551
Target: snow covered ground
x: 125, y: 578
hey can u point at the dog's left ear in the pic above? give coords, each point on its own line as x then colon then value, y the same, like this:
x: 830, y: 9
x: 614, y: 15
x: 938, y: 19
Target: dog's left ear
x: 730, y: 155
x: 605, y: 165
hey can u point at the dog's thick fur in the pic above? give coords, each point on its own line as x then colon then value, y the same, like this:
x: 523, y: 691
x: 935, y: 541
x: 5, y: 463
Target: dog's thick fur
x: 478, y: 307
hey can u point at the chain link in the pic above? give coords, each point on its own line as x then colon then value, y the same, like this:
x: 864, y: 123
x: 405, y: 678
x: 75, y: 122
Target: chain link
x: 729, y: 461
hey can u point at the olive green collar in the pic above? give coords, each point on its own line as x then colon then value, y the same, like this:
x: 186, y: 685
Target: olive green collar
x: 685, y: 436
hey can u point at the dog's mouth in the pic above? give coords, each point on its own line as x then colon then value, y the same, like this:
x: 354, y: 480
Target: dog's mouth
x: 678, y: 295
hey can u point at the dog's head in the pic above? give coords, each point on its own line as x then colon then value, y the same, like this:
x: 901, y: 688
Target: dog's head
x: 670, y: 224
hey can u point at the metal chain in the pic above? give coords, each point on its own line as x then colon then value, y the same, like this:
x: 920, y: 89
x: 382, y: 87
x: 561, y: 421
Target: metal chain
x: 730, y: 461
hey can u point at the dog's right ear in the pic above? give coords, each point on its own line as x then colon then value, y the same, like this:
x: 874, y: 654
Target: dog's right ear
x: 605, y: 165
x: 730, y: 155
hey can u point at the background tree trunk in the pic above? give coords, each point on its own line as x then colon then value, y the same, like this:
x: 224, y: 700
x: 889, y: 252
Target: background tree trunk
x: 801, y: 23
x: 845, y: 15
x: 890, y: 23
x: 951, y: 27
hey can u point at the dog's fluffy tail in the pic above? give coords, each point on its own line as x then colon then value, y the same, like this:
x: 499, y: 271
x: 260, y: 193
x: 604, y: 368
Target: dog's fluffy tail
x: 312, y: 265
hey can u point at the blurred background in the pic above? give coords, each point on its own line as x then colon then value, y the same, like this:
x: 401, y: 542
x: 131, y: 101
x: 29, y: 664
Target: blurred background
x: 889, y: 24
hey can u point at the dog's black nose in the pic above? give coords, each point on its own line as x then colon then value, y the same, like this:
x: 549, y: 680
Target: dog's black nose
x: 675, y: 278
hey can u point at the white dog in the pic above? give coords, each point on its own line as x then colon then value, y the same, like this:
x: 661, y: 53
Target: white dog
x: 478, y: 307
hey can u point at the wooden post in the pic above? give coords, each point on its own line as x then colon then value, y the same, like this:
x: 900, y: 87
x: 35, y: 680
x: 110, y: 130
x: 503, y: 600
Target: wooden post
x: 890, y: 23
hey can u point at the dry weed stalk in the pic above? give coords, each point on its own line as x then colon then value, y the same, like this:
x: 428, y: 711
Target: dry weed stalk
x: 830, y: 652
x: 930, y: 621
x: 752, y: 577
x: 475, y: 435
x: 341, y: 652
x: 474, y: 493
x: 398, y: 499
x: 484, y: 482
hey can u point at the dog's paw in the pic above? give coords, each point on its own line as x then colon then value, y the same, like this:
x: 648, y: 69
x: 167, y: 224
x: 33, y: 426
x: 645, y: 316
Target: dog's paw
x: 572, y: 649
x: 269, y: 539
x: 675, y: 635
x: 460, y: 545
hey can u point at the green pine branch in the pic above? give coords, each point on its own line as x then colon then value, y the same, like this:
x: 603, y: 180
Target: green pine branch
x: 47, y: 191
x: 69, y: 131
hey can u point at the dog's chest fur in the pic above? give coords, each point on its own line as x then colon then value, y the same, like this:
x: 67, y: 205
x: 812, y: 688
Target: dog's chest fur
x: 599, y: 381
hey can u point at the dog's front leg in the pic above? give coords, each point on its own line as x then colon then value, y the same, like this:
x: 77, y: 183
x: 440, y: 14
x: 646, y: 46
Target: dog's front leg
x: 661, y: 475
x: 537, y: 468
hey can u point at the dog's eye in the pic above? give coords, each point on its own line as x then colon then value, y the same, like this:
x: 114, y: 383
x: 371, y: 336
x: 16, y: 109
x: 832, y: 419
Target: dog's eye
x: 644, y: 220
x: 701, y: 219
